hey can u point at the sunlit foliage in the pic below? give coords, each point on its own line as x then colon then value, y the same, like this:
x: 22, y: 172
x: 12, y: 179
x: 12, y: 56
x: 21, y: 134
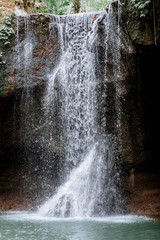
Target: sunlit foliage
x: 61, y: 7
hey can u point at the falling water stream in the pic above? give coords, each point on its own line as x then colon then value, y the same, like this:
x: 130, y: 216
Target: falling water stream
x: 89, y: 187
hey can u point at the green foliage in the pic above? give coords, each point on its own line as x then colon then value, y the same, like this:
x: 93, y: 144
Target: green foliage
x: 46, y: 11
x: 61, y: 7
x: 6, y: 37
x: 56, y: 7
x: 7, y: 31
x: 141, y: 6
x: 94, y: 5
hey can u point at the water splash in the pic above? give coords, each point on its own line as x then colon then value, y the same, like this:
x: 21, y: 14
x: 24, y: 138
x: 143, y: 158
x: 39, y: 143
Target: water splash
x: 84, y: 193
x: 65, y: 201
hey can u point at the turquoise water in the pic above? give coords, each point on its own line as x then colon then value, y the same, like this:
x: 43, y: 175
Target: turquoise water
x: 18, y: 226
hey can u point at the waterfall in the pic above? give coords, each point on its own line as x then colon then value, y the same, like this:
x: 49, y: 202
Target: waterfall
x: 26, y: 119
x: 154, y: 24
x: 90, y: 178
x: 70, y: 112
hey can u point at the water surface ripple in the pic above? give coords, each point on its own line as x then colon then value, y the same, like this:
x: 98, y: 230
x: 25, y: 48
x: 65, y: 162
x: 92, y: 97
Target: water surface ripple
x: 24, y: 226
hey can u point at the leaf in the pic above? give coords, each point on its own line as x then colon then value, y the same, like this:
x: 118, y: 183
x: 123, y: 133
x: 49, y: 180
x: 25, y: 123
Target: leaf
x: 61, y: 12
x: 65, y: 4
x: 46, y: 11
x: 53, y: 3
x: 147, y: 2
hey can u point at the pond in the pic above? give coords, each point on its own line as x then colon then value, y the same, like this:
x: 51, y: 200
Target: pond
x: 28, y: 226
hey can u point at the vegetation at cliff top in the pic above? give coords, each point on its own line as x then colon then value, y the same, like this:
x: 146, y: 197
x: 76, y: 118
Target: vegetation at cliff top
x: 61, y: 7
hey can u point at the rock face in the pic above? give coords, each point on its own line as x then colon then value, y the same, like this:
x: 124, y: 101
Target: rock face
x: 143, y: 121
x: 22, y: 89
x: 23, y: 85
x: 142, y: 24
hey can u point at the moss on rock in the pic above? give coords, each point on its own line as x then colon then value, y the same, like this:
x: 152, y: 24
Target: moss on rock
x: 139, y: 21
x: 6, y: 37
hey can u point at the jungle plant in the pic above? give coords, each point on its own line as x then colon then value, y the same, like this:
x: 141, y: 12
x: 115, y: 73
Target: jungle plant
x: 141, y: 6
x: 61, y: 7
x: 56, y: 6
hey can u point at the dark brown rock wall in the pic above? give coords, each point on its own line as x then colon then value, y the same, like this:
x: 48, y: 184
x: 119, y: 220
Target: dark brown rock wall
x: 142, y: 126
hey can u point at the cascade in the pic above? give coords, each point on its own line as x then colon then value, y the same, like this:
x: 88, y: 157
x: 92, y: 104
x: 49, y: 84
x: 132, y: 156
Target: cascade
x: 23, y: 64
x: 89, y: 187
x: 72, y: 115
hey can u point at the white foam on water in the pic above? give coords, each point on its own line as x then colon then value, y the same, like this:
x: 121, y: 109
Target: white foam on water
x: 27, y: 216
